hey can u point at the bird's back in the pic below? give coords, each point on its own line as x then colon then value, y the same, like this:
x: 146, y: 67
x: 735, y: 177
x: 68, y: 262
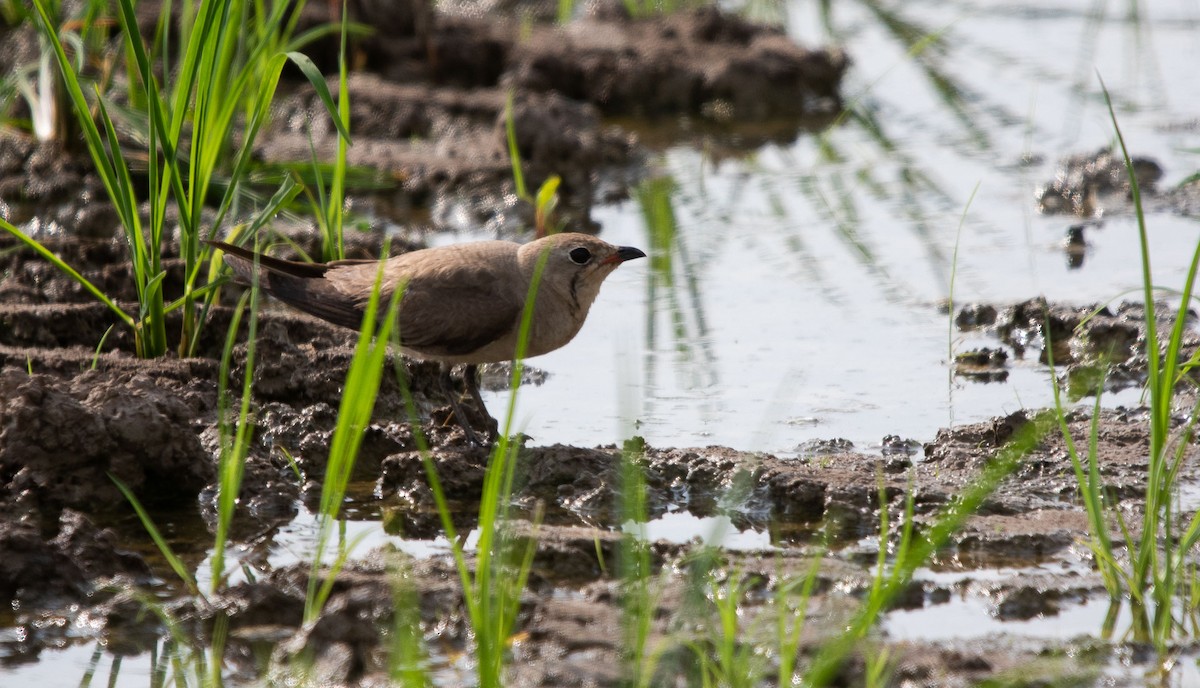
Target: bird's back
x: 457, y: 299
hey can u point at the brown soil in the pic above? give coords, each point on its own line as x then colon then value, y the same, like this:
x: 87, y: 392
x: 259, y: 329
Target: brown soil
x: 152, y: 425
x: 78, y: 411
x: 1095, y: 345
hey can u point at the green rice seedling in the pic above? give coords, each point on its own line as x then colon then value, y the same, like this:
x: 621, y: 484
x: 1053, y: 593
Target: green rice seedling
x: 230, y: 467
x: 491, y: 588
x: 502, y: 563
x: 235, y: 443
x: 331, y: 209
x: 164, y: 547
x: 791, y: 610
x: 544, y: 206
x: 878, y: 669
x: 962, y: 220
x: 1154, y: 580
x: 1091, y: 491
x: 737, y: 664
x: 100, y: 346
x: 407, y: 659
x: 913, y: 549
x: 730, y: 631
x: 644, y: 9
x: 565, y: 11
x: 222, y: 88
x: 231, y: 463
x: 638, y: 584
x: 354, y: 416
x: 68, y: 271
x: 514, y: 152
x: 546, y: 200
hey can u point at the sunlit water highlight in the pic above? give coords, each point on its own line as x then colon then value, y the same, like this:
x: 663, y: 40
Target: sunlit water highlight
x: 820, y: 266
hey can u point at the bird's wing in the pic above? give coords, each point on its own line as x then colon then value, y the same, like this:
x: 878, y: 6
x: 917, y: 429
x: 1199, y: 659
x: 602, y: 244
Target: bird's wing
x: 449, y: 308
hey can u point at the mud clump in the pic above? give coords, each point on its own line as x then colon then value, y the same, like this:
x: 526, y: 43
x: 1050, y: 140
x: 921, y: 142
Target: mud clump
x: 36, y: 572
x: 61, y: 441
x: 984, y: 365
x: 702, y: 62
x: 1086, y: 185
x: 1098, y: 346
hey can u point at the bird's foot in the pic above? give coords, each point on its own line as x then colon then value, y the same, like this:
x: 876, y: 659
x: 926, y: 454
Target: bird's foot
x: 479, y: 429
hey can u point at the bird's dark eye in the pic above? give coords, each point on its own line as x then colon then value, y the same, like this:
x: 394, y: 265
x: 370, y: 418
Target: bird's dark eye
x: 580, y: 256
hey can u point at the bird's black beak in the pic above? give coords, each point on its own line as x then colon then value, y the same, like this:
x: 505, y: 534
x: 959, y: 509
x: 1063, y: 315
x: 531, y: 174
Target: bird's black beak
x: 625, y: 253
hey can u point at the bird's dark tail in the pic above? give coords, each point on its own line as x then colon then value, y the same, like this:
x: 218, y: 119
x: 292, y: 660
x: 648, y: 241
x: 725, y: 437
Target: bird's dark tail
x: 301, y: 285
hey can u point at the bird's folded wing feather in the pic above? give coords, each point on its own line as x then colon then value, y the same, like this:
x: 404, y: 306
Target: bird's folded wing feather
x: 451, y: 308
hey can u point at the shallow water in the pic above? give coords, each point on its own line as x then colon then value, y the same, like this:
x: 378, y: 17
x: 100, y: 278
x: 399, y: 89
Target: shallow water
x: 819, y: 267
x: 811, y: 275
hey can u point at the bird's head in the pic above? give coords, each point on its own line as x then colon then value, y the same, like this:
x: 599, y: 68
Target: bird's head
x: 576, y: 264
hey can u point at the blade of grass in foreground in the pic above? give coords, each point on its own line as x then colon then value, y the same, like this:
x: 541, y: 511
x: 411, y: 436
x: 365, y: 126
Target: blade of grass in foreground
x: 235, y: 444
x: 1157, y: 558
x: 492, y: 590
x: 915, y: 549
x: 354, y: 415
x: 176, y: 563
x: 68, y: 270
x: 494, y: 598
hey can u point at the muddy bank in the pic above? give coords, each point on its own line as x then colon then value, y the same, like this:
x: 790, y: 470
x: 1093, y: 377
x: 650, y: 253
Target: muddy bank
x: 1092, y: 185
x: 431, y: 116
x: 76, y: 552
x: 573, y: 611
x: 1094, y: 347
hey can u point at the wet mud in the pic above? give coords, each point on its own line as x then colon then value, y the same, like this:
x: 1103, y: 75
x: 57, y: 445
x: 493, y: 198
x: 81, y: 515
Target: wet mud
x: 79, y: 412
x: 1098, y: 347
x: 430, y: 117
x: 66, y: 530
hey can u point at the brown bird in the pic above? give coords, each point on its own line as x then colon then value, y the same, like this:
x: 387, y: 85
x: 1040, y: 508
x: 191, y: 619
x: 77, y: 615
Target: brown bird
x: 462, y: 303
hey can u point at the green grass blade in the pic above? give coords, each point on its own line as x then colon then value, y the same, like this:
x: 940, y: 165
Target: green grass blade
x: 234, y: 445
x: 354, y: 415
x: 318, y: 81
x: 514, y: 153
x: 68, y: 270
x: 176, y: 563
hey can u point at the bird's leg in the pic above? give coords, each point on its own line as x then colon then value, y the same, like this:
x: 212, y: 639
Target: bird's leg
x: 471, y: 381
x: 459, y: 415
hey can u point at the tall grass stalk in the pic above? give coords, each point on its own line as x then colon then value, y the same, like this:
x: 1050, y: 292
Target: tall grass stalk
x: 235, y: 443
x: 164, y: 547
x: 331, y: 215
x: 1155, y: 580
x: 791, y: 611
x: 914, y: 548
x: 492, y: 588
x: 230, y: 468
x: 1091, y: 491
x: 546, y: 200
x: 639, y: 597
x: 514, y: 152
x: 738, y: 664
x: 354, y: 416
x: 407, y: 659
